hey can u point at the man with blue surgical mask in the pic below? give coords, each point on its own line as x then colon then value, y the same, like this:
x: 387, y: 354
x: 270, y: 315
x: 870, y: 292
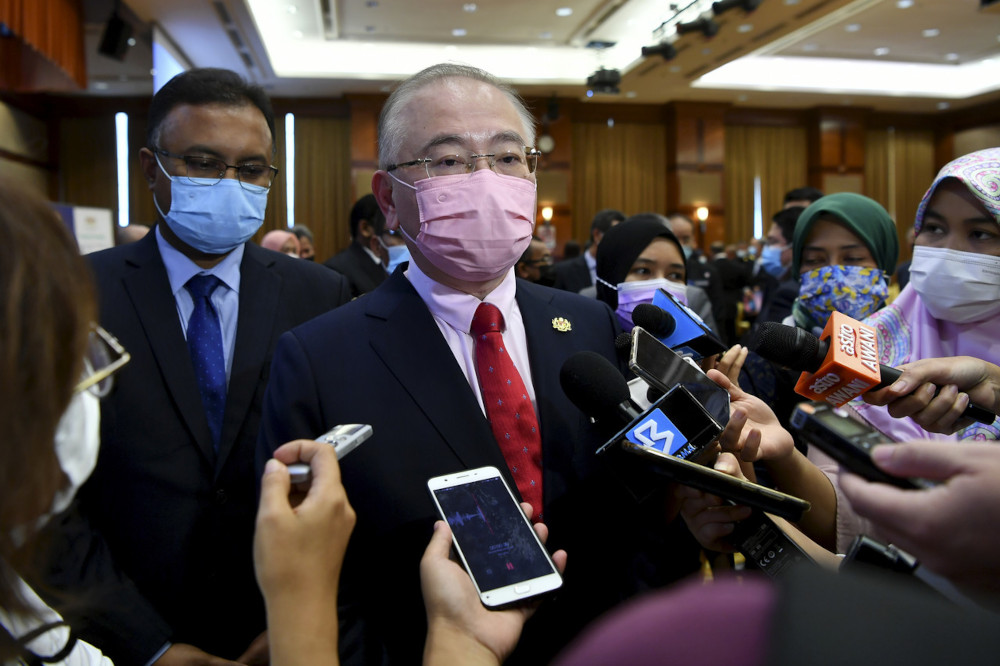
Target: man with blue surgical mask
x: 162, y: 538
x: 772, y: 272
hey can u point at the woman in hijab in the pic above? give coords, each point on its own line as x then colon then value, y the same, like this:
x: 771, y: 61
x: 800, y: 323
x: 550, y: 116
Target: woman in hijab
x: 284, y: 242
x: 951, y: 306
x: 634, y: 259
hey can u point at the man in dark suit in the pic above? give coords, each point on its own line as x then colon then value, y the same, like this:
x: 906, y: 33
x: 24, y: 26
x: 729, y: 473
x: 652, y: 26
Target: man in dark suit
x: 409, y: 343
x: 359, y: 262
x: 579, y: 272
x: 161, y: 541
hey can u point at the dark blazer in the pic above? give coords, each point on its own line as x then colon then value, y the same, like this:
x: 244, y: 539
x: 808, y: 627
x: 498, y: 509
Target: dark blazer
x: 572, y: 275
x: 357, y: 266
x: 176, y: 517
x: 382, y: 360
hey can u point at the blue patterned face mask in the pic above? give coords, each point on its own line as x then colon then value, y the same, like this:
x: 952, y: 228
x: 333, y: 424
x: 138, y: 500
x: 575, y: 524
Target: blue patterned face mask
x: 852, y: 290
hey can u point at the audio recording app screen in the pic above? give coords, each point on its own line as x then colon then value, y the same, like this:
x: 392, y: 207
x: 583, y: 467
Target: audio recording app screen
x: 498, y: 545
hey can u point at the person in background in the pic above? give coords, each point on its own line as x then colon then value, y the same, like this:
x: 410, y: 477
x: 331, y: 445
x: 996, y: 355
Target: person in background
x: 701, y: 274
x: 284, y: 242
x: 161, y: 537
x: 801, y: 197
x: 360, y: 261
x: 306, y: 241
x: 535, y: 265
x: 571, y: 249
x: 580, y: 272
x: 772, y: 273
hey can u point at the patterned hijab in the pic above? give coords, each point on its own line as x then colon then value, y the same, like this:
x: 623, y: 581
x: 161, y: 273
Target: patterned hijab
x: 908, y: 332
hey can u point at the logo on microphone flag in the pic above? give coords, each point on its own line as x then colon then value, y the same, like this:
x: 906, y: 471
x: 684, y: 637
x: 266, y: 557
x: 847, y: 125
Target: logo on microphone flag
x: 656, y: 431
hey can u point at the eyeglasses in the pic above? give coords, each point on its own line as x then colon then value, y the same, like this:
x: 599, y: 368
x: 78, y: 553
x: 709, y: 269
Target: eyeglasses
x: 105, y: 356
x: 519, y: 162
x: 209, y: 168
x: 544, y: 261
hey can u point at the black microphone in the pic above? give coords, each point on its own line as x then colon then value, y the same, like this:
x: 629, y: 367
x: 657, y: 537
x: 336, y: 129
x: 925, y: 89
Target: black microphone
x: 800, y: 350
x: 654, y: 319
x: 596, y: 387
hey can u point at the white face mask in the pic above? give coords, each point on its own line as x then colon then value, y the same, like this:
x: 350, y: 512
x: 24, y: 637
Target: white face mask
x: 78, y: 438
x: 960, y: 287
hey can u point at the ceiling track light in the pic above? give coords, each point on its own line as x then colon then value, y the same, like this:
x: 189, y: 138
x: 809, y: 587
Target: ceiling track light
x: 725, y: 5
x: 705, y: 25
x: 664, y: 49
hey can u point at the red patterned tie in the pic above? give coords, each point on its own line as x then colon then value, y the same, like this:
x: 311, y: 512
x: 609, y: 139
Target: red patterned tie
x: 508, y: 406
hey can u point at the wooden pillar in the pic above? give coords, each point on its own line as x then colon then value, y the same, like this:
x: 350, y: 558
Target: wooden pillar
x: 696, y: 148
x: 364, y: 110
x: 836, y: 149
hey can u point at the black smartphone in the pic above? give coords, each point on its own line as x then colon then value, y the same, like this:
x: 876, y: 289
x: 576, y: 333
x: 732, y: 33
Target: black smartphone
x: 493, y: 537
x: 847, y: 440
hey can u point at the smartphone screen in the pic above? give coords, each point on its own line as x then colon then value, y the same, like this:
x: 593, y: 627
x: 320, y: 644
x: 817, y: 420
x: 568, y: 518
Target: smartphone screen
x: 662, y: 368
x: 500, y: 549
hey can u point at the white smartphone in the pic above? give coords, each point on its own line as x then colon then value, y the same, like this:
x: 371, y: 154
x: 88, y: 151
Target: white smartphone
x: 343, y: 438
x: 494, y: 539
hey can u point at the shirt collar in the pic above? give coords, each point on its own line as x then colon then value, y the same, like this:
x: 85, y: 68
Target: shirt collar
x: 456, y: 308
x: 180, y: 269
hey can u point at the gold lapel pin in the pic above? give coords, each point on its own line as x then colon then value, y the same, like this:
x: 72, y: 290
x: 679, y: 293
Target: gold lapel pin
x: 562, y: 325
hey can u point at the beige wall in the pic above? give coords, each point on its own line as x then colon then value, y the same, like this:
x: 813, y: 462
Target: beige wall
x: 976, y: 139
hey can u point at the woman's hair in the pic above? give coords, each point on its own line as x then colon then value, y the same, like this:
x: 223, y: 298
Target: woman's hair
x: 622, y: 245
x: 47, y: 300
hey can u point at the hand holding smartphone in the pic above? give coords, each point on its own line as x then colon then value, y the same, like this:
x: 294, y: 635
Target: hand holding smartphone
x: 494, y: 540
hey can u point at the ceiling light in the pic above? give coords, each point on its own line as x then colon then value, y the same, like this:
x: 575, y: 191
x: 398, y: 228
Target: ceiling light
x: 564, y: 11
x: 292, y: 9
x: 931, y: 32
x: 631, y: 94
x: 545, y: 35
x: 297, y: 34
x: 742, y: 98
x: 746, y: 27
x: 458, y: 32
x: 371, y: 4
x: 810, y: 47
x: 943, y: 105
x: 881, y: 51
x: 131, y: 41
x: 791, y: 2
x: 904, y: 4
x: 100, y: 85
x: 369, y: 28
x: 852, y: 27
x: 674, y: 69
x: 469, y: 7
x: 951, y: 56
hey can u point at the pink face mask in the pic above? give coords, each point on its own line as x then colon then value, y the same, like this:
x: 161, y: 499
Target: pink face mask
x: 474, y: 227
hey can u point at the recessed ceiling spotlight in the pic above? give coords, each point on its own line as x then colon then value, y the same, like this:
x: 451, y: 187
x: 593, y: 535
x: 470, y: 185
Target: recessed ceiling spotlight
x: 545, y: 35
x: 469, y: 7
x: 791, y: 2
x: 100, y: 85
x: 371, y: 4
x: 810, y: 47
x: 369, y: 28
x: 590, y: 93
x: 943, y: 105
x: 631, y: 94
x: 131, y: 41
x: 292, y: 9
x: 931, y: 32
x: 297, y: 34
x: 458, y: 32
x: 746, y: 27
x: 564, y: 11
x: 904, y: 4
x: 706, y: 51
x: 675, y: 69
x: 951, y: 56
x: 881, y: 51
x: 742, y: 98
x: 852, y: 27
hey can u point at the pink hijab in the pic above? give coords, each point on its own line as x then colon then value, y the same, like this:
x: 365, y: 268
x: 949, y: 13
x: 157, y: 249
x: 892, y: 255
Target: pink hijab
x: 908, y: 332
x: 275, y: 240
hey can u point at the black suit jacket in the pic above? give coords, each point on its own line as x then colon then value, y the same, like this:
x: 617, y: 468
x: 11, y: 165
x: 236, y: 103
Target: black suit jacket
x: 572, y: 275
x: 161, y: 543
x: 357, y: 266
x: 382, y: 360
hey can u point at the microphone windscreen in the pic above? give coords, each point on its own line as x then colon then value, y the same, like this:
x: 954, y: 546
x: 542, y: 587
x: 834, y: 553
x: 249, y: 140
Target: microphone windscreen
x: 623, y: 345
x: 789, y: 346
x: 593, y: 384
x: 654, y: 319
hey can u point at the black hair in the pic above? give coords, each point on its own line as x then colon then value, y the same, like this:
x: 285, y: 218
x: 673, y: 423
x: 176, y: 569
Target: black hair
x: 809, y: 194
x: 202, y: 86
x: 605, y: 219
x: 786, y: 219
x: 365, y: 208
x: 526, y: 255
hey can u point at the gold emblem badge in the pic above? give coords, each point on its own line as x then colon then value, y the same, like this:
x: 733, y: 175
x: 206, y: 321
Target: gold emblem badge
x: 562, y: 325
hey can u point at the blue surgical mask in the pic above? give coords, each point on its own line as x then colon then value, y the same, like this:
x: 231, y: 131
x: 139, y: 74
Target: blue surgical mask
x: 770, y: 260
x: 398, y: 254
x: 213, y: 218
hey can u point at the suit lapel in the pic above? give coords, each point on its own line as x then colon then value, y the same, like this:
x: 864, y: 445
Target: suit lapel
x: 411, y: 346
x: 149, y: 290
x: 260, y: 288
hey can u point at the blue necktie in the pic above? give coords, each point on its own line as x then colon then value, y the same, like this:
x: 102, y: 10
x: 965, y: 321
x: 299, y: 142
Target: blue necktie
x: 204, y: 338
